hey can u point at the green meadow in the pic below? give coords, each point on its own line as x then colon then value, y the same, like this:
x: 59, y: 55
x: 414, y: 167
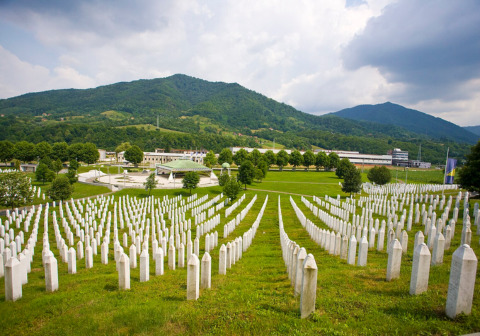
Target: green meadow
x: 255, y: 297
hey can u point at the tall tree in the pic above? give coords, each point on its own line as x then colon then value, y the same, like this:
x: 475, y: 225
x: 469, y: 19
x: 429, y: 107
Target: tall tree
x: 255, y: 156
x: 191, y: 180
x: 352, y: 180
x: 282, y: 159
x: 270, y: 158
x: 43, y: 149
x: 61, y: 188
x: 296, y: 159
x: 60, y: 151
x: 308, y: 159
x: 43, y: 173
x: 223, y: 179
x: 322, y: 160
x: 333, y: 160
x: 57, y: 165
x: 232, y: 188
x: 150, y: 183
x: 225, y: 156
x: 343, y: 165
x: 24, y: 151
x: 121, y: 148
x: 75, y: 152
x: 210, y: 159
x: 90, y: 153
x: 469, y: 175
x: 6, y: 151
x: 379, y: 175
x: 15, y: 189
x: 246, y: 173
x: 134, y: 155
x: 240, y: 156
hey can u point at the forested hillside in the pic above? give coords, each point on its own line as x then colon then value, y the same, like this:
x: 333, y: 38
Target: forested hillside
x: 193, y: 113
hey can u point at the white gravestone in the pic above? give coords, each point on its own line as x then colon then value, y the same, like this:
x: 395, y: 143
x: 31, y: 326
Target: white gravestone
x: 308, y: 293
x: 206, y: 271
x: 394, y: 260
x: 193, y: 278
x: 420, y: 269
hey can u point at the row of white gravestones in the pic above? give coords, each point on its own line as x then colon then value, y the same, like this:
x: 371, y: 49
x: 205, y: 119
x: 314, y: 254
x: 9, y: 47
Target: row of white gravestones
x: 301, y: 268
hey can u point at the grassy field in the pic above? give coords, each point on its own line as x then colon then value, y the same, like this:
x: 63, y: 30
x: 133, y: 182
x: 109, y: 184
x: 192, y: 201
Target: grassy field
x: 255, y: 297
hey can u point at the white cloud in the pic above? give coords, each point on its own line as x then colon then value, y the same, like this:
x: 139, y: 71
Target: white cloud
x: 287, y: 50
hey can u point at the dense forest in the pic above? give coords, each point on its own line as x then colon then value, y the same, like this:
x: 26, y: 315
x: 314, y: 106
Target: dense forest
x: 192, y: 113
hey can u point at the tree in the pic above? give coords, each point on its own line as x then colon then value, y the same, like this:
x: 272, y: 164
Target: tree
x: 270, y: 158
x: 333, y: 160
x: 15, y: 189
x: 24, y: 151
x: 74, y: 164
x: 210, y: 159
x: 72, y: 175
x: 150, y: 183
x: 57, y: 165
x: 308, y: 159
x: 232, y: 188
x: 255, y: 156
x: 296, y: 159
x: 43, y: 149
x: 61, y: 188
x: 60, y: 151
x: 190, y: 181
x: 322, y: 160
x: 282, y: 159
x: 43, y: 173
x: 379, y: 175
x: 225, y: 156
x: 134, y: 155
x: 259, y: 174
x: 223, y: 179
x: 469, y: 175
x: 6, y: 151
x: 343, y: 165
x: 75, y: 152
x: 239, y: 156
x: 246, y: 173
x: 90, y: 153
x: 263, y: 166
x: 122, y: 148
x: 352, y: 180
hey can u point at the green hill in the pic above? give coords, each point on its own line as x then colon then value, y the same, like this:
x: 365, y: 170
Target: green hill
x: 205, y: 114
x: 412, y: 120
x: 473, y: 129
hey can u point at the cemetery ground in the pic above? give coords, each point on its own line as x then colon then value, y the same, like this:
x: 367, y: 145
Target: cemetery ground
x: 255, y: 296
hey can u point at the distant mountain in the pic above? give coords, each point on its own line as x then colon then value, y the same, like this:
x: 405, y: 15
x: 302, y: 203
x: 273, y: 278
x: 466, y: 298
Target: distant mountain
x: 412, y: 120
x: 473, y: 129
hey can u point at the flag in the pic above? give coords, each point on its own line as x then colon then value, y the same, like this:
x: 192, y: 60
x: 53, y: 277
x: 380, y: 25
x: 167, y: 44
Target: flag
x: 451, y: 165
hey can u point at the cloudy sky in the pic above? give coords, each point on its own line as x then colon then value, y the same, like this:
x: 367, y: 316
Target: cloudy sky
x: 319, y: 56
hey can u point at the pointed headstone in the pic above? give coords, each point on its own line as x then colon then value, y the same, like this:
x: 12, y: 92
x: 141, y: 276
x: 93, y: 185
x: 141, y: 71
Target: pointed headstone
x: 394, y: 260
x: 51, y: 273
x: 206, y: 271
x: 222, y: 262
x: 144, y: 266
x: 420, y: 269
x: 193, y: 278
x: 123, y: 272
x: 309, y: 287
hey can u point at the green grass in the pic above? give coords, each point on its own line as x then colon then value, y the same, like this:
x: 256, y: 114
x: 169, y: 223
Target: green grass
x: 254, y: 298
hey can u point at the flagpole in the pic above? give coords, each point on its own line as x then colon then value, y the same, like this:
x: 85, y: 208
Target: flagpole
x: 445, y: 174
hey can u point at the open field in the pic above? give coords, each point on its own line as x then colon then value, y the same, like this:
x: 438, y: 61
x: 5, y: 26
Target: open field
x: 255, y: 297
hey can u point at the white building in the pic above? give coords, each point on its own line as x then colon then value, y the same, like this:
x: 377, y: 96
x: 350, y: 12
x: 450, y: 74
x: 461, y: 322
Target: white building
x: 152, y: 158
x: 354, y: 157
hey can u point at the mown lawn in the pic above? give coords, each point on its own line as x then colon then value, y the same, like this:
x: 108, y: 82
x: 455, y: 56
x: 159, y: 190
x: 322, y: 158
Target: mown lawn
x: 255, y: 297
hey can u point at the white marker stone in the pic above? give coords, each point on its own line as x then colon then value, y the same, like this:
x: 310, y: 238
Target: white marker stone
x: 181, y: 256
x: 420, y: 269
x: 133, y: 256
x: 88, y: 257
x: 309, y: 287
x: 362, y: 252
x: 104, y: 253
x: 72, y: 261
x: 123, y: 272
x: 144, y: 266
x: 394, y: 260
x: 301, y: 255
x: 222, y: 262
x: 51, y: 273
x: 438, y: 249
x: 171, y: 257
x: 352, y: 250
x: 13, y: 283
x: 206, y: 271
x: 193, y: 278
x: 159, y: 262
x: 462, y: 281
